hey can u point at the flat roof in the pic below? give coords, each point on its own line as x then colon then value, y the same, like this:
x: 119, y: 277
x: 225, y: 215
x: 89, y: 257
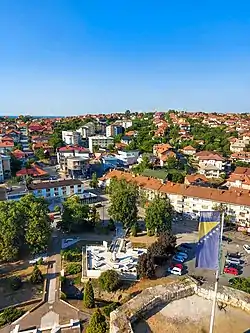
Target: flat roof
x: 56, y: 183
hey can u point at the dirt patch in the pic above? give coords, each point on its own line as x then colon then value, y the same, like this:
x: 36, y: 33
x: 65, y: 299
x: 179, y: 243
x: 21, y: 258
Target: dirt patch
x: 192, y: 315
x: 142, y: 241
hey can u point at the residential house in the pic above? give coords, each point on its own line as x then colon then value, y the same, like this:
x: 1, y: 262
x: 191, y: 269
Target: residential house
x: 163, y: 151
x: 189, y: 150
x: 242, y: 156
x: 6, y: 145
x: 126, y: 139
x: 5, y: 169
x: 237, y: 145
x: 34, y: 171
x: 73, y: 160
x: 210, y: 164
x: 14, y: 134
x: 240, y: 178
x: 100, y: 141
x: 19, y: 154
x: 127, y: 157
x: 196, y: 179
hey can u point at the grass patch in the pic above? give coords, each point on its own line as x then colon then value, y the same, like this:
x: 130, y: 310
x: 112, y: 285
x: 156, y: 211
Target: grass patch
x: 159, y: 174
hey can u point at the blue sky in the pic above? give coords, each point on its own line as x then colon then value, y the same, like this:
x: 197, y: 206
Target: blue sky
x: 60, y: 57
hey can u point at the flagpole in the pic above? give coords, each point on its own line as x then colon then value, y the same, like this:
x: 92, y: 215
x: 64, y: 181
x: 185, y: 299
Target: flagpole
x: 211, y: 328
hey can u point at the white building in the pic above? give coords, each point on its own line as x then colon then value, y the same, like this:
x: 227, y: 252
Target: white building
x: 100, y: 141
x: 5, y: 170
x: 128, y: 157
x: 71, y: 137
x: 210, y: 164
x: 87, y: 130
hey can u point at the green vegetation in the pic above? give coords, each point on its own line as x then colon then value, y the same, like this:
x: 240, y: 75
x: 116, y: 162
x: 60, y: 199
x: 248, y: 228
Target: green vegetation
x: 9, y: 315
x: 15, y: 282
x: 25, y: 225
x: 97, y: 323
x: 73, y: 268
x: 72, y: 254
x: 36, y: 276
x: 123, y: 199
x: 94, y: 181
x: 109, y: 280
x: 241, y: 283
x: 158, y: 173
x: 158, y: 215
x: 109, y: 308
x: 39, y: 153
x: 158, y: 253
x: 15, y: 165
x: 88, y: 297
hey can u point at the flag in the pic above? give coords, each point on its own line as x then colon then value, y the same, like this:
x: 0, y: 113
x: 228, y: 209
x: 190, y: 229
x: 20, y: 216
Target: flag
x: 207, y: 249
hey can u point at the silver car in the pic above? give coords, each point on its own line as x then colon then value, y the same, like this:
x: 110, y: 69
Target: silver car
x: 234, y: 261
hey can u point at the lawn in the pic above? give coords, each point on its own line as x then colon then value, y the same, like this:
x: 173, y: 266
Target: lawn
x: 26, y: 292
x: 160, y: 174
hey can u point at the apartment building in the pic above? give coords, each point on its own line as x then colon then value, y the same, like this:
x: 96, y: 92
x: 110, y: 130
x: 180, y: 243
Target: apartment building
x: 71, y: 137
x: 210, y: 164
x: 113, y: 130
x: 87, y: 130
x: 237, y: 145
x: 190, y: 200
x: 5, y: 170
x: 73, y: 160
x: 100, y: 141
x: 58, y: 189
x: 240, y: 178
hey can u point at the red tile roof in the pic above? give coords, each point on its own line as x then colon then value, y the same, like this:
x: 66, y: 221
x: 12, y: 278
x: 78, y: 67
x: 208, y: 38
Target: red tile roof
x: 33, y: 171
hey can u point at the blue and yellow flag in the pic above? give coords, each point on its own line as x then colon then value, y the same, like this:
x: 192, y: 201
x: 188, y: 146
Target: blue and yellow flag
x: 207, y: 250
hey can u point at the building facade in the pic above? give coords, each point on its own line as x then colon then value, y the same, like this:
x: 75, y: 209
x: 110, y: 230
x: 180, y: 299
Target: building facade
x: 100, y: 141
x: 5, y: 170
x: 71, y: 137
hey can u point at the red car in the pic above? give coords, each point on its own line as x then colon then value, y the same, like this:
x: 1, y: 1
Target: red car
x: 231, y: 270
x: 177, y: 265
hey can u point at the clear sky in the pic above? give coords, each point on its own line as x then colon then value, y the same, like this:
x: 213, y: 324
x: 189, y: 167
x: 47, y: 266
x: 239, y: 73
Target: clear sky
x: 60, y: 57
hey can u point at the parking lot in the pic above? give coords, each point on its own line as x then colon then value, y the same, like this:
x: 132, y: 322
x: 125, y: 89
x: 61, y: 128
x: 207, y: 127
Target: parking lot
x: 236, y: 245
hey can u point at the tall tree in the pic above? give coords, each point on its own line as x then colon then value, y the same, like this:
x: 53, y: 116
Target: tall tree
x: 75, y: 215
x: 88, y: 297
x: 94, y: 181
x: 145, y: 266
x: 97, y: 323
x: 123, y: 199
x: 38, y: 228
x: 158, y: 215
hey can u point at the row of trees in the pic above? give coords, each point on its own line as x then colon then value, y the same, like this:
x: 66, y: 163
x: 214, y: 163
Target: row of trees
x: 24, y: 226
x: 124, y: 197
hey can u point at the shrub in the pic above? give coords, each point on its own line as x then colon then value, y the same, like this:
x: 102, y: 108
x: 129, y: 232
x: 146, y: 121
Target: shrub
x: 72, y: 255
x: 241, y: 283
x: 40, y: 261
x: 89, y: 297
x: 63, y: 296
x: 9, y: 315
x: 36, y: 276
x: 57, y: 209
x: 109, y: 308
x: 97, y: 323
x: 109, y: 280
x: 134, y: 229
x: 16, y: 282
x: 63, y: 279
x: 73, y: 268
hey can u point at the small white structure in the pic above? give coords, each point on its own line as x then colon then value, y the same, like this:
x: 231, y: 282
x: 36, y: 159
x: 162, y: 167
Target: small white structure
x: 119, y: 256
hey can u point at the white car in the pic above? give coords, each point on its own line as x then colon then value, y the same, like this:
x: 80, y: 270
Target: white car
x: 246, y: 248
x: 175, y: 271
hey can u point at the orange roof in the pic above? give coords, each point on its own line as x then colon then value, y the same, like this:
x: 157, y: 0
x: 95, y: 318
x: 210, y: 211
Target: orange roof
x: 34, y: 171
x: 189, y: 148
x: 234, y: 196
x: 6, y: 144
x: 194, y: 178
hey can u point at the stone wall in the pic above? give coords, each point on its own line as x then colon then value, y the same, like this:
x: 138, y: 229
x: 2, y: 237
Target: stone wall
x: 146, y: 301
x: 151, y: 298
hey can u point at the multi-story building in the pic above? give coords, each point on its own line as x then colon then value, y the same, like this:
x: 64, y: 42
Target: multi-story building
x: 242, y: 156
x: 71, y: 137
x: 210, y: 164
x: 5, y: 170
x: 128, y: 157
x: 237, y: 145
x: 100, y: 141
x: 113, y: 130
x: 59, y: 189
x: 87, y: 130
x: 190, y: 200
x: 240, y: 178
x: 73, y: 160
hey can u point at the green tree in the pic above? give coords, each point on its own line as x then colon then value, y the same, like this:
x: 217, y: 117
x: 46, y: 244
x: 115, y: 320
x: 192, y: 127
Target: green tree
x: 127, y: 113
x: 109, y: 280
x: 15, y: 282
x: 94, y: 216
x: 97, y: 323
x: 57, y: 208
x: 94, y: 181
x: 15, y: 165
x: 75, y: 216
x: 88, y: 297
x: 158, y: 215
x: 38, y: 223
x: 123, y: 199
x: 145, y: 267
x: 56, y: 140
x: 36, y: 276
x: 39, y: 153
x: 172, y: 163
x: 12, y: 229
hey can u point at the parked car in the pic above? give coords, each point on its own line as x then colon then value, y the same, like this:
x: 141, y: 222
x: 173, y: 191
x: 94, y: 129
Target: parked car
x: 246, y: 248
x: 226, y: 239
x: 231, y: 270
x: 182, y: 254
x: 175, y: 271
x: 231, y: 260
x: 98, y: 205
x: 186, y: 246
x: 175, y: 265
x: 236, y: 255
x: 178, y: 258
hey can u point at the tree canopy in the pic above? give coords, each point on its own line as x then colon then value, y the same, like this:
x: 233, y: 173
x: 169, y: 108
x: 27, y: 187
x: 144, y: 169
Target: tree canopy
x: 89, y: 298
x: 97, y: 323
x: 123, y: 199
x: 24, y: 224
x: 158, y: 215
x: 109, y: 280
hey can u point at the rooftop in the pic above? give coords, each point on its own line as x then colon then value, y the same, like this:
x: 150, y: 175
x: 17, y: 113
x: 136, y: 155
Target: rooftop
x: 56, y: 183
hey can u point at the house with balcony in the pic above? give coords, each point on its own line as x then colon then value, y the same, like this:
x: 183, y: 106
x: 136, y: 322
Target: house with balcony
x: 237, y: 145
x: 100, y: 141
x: 73, y: 160
x: 243, y: 156
x: 210, y: 164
